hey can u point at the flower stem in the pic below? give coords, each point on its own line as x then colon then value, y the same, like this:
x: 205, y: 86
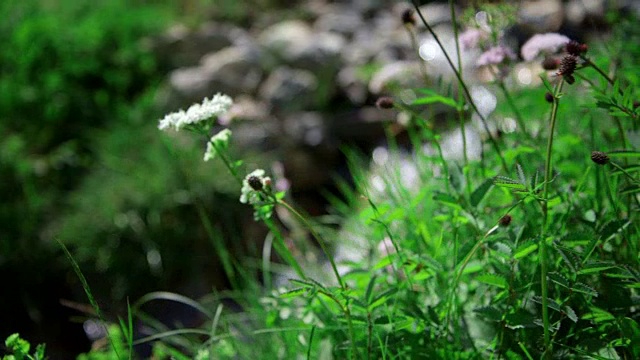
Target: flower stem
x: 227, y: 162
x: 542, y: 249
x: 493, y: 141
x: 345, y: 308
x: 320, y: 240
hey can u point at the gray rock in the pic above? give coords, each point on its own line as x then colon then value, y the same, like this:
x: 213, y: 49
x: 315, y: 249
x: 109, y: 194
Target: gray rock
x: 308, y: 128
x: 290, y: 89
x: 395, y: 76
x: 294, y: 43
x: 233, y: 71
x: 339, y: 19
x: 180, y: 47
x: 541, y: 16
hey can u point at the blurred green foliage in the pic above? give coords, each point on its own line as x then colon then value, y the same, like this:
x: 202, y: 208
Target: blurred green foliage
x: 66, y: 69
x: 82, y: 160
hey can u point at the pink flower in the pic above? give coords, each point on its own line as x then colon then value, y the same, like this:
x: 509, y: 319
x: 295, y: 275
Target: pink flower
x: 471, y: 37
x: 546, y: 43
x: 495, y: 55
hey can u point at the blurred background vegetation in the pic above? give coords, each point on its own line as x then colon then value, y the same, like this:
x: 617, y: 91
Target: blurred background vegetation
x: 81, y: 160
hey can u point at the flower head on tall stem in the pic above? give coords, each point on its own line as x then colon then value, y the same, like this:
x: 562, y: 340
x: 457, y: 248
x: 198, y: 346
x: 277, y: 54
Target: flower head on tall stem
x: 197, y: 114
x: 254, y: 187
x: 219, y: 141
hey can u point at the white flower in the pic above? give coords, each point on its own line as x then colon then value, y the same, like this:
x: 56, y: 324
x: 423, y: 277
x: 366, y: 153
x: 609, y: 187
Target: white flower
x: 216, y: 106
x: 218, y: 141
x: 548, y: 43
x: 248, y: 193
x: 495, y: 55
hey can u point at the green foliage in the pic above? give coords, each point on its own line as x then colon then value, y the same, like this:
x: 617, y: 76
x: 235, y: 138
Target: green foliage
x: 58, y: 84
x: 18, y: 349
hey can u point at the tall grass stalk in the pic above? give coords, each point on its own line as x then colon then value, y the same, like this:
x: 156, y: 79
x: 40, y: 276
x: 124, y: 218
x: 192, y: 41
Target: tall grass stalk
x: 87, y: 291
x: 493, y: 141
x: 542, y: 249
x: 463, y: 130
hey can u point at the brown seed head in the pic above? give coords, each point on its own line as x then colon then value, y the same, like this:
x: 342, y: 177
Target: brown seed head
x: 505, y: 220
x: 599, y: 157
x: 568, y: 66
x: 550, y: 63
x: 384, y: 102
x: 575, y: 48
x: 408, y: 18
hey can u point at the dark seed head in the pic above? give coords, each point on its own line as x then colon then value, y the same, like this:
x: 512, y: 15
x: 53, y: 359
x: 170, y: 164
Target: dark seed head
x: 505, y: 220
x: 550, y: 63
x: 548, y: 97
x: 384, y: 102
x: 575, y: 48
x: 408, y: 18
x: 255, y: 183
x: 568, y: 66
x: 599, y: 157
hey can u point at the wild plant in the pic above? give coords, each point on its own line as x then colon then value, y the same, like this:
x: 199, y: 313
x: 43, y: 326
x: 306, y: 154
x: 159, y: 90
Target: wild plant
x: 529, y: 252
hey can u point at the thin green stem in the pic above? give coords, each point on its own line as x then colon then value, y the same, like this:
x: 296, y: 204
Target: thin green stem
x: 227, y: 162
x: 317, y: 237
x: 493, y: 141
x: 514, y: 108
x: 463, y: 131
x: 416, y: 49
x: 347, y: 314
x: 542, y: 249
x: 597, y: 68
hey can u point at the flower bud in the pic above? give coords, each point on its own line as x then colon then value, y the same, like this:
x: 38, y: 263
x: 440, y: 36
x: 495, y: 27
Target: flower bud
x: 255, y: 183
x: 575, y: 48
x: 599, y: 157
x: 408, y: 18
x: 505, y: 220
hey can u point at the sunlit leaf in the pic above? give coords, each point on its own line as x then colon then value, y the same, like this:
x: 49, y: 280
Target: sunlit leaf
x: 494, y: 280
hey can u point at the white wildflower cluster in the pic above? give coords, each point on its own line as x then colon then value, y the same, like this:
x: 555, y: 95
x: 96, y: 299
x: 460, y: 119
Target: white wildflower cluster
x: 217, y: 142
x: 252, y: 185
x: 196, y: 113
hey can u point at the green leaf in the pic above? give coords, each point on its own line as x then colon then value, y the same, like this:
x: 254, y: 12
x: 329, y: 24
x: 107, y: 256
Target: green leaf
x: 558, y: 279
x: 624, y: 154
x: 525, y: 249
x: 382, y: 298
x: 433, y: 97
x: 369, y: 293
x: 520, y: 319
x: 490, y: 313
x: 293, y: 293
x: 595, y: 267
x: 631, y: 189
x: 584, y: 289
x: 571, y: 314
x: 598, y: 315
x: 551, y: 304
x: 508, y: 183
x: 446, y: 199
x: 478, y: 194
x: 494, y: 280
x: 612, y: 227
x: 17, y: 345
